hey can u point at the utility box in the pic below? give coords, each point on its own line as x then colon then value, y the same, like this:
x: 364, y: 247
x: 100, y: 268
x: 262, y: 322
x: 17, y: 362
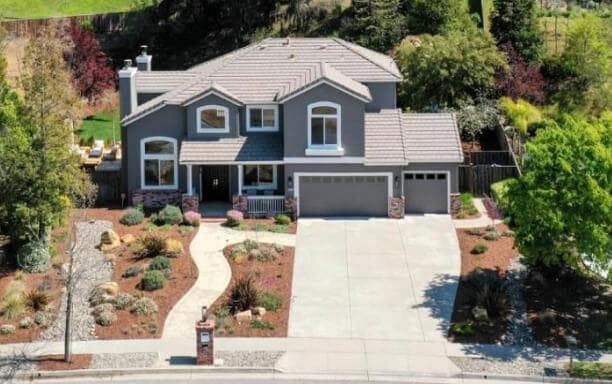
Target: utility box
x: 205, y: 340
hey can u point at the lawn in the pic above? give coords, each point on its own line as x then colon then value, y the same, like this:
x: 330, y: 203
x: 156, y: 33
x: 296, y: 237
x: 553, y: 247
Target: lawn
x: 100, y: 127
x: 37, y: 9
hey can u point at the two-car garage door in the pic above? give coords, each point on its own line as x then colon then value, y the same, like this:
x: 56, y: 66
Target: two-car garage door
x: 343, y: 195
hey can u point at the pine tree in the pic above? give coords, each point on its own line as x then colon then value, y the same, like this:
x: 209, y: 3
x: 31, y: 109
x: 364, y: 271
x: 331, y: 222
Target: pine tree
x: 515, y: 22
x: 376, y: 24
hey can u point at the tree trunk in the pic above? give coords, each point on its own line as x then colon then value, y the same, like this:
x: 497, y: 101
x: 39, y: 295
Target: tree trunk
x: 68, y: 328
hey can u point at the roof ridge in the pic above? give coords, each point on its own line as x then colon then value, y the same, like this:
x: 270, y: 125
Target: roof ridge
x: 350, y: 46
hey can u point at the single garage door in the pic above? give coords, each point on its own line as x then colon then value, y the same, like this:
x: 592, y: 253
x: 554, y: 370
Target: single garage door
x: 343, y: 195
x: 426, y: 192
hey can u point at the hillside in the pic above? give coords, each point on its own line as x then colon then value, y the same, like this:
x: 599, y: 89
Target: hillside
x: 36, y: 9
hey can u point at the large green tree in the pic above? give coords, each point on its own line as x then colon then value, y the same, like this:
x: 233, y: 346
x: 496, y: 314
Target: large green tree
x: 581, y: 76
x: 562, y: 205
x: 447, y: 71
x: 39, y: 173
x: 376, y: 24
x: 515, y: 22
x: 434, y: 17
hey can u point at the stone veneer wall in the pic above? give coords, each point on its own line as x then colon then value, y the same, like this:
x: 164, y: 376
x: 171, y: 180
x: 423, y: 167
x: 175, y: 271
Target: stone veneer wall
x: 397, y: 208
x: 190, y: 203
x: 240, y: 203
x: 153, y: 199
x: 455, y: 203
x: 291, y: 207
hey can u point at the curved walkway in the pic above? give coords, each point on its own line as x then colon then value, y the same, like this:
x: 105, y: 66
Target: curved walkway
x: 206, y: 249
x: 478, y: 222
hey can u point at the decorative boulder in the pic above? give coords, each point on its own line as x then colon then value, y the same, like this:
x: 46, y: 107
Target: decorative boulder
x: 128, y: 239
x: 244, y: 316
x: 109, y: 240
x: 259, y: 311
x: 110, y: 288
x: 480, y: 314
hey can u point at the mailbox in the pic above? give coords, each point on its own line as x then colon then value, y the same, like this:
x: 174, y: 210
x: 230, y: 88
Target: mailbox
x: 205, y: 340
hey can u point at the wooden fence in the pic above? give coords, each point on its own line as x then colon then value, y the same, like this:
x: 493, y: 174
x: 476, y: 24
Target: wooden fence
x: 483, y: 168
x: 102, y: 23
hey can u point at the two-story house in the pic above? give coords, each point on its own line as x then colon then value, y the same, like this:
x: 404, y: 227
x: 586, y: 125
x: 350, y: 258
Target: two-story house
x: 304, y: 125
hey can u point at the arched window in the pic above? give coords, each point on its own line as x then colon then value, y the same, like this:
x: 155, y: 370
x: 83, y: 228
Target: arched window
x: 213, y: 119
x: 324, y: 126
x: 159, y: 168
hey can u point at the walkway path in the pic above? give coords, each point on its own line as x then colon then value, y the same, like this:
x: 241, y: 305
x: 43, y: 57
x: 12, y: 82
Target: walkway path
x: 214, y: 273
x: 478, y: 222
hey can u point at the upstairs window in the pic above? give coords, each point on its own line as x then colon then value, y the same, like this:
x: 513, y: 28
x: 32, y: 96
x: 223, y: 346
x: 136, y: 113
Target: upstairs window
x: 158, y: 165
x: 262, y: 118
x: 213, y: 119
x: 324, y: 125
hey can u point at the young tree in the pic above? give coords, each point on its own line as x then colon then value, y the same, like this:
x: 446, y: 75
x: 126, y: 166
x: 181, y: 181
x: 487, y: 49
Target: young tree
x: 516, y: 22
x: 581, y: 76
x: 89, y: 65
x: 376, y: 24
x: 447, y: 71
x: 522, y: 80
x: 562, y: 205
x: 475, y: 118
x: 435, y: 17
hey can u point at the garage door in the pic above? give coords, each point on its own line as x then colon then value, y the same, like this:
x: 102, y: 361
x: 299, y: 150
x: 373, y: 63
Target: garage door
x: 426, y: 192
x: 343, y: 195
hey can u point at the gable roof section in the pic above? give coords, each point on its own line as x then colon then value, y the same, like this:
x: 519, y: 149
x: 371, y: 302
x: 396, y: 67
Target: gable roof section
x: 262, y: 72
x: 396, y: 138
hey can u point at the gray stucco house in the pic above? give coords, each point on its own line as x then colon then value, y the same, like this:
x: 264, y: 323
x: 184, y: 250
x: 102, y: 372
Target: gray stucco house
x: 308, y: 126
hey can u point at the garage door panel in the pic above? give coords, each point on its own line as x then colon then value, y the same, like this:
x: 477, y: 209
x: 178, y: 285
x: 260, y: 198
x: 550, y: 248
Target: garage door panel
x: 343, y: 196
x: 426, y: 192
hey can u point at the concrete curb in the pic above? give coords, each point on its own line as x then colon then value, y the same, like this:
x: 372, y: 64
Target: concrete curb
x: 522, y: 378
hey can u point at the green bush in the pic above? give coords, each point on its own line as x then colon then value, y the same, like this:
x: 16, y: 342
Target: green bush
x: 489, y: 290
x: 159, y: 263
x: 170, y: 215
x: 479, y: 249
x: 499, y: 192
x: 105, y: 318
x: 122, y: 300
x: 132, y: 216
x: 34, y: 257
x: 466, y: 199
x: 491, y: 235
x: 250, y: 244
x: 261, y: 324
x: 269, y: 301
x: 7, y: 329
x: 144, y: 307
x: 131, y: 271
x: 591, y: 370
x: 13, y: 302
x: 150, y: 246
x: 152, y: 280
x: 464, y: 328
x: 475, y: 231
x: 282, y: 219
x: 243, y: 295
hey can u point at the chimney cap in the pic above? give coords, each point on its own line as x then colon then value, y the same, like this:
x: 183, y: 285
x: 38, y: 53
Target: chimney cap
x: 127, y: 63
x: 143, y: 49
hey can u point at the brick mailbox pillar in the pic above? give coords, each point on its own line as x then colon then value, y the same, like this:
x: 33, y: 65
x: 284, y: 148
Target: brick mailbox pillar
x: 205, y: 340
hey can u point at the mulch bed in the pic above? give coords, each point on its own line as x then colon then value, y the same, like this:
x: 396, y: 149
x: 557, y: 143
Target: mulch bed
x: 497, y: 258
x: 57, y: 363
x: 272, y: 276
x: 569, y: 303
x: 183, y: 275
x: 265, y: 224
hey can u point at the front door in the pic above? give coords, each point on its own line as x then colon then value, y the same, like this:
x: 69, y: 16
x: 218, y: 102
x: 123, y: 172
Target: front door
x: 215, y: 183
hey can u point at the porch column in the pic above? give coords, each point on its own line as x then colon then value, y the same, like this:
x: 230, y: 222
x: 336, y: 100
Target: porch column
x: 239, y: 179
x: 189, y: 180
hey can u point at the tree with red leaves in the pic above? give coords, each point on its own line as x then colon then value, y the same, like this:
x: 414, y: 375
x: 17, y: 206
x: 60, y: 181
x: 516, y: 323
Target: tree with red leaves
x: 89, y: 64
x: 523, y: 80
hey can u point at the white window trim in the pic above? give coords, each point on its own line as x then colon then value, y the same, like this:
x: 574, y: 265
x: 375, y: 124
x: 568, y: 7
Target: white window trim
x: 325, y: 149
x: 273, y: 185
x: 211, y: 130
x: 144, y: 156
x: 264, y: 129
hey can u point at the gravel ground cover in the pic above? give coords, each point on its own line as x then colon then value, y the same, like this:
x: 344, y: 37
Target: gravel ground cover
x: 90, y: 269
x: 259, y: 359
x: 124, y: 360
x: 502, y: 367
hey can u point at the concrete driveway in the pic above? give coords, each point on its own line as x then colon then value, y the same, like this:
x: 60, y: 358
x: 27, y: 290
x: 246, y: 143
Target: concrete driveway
x: 375, y: 278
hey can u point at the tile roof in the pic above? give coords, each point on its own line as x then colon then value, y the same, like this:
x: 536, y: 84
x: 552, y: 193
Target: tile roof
x: 255, y: 147
x: 273, y: 68
x: 161, y: 81
x: 393, y: 137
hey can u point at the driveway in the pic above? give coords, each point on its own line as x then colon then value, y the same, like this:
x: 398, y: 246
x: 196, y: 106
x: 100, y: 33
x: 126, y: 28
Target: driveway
x: 375, y: 278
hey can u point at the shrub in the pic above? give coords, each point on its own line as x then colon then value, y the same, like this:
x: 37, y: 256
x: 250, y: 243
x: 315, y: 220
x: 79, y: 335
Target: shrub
x: 159, y: 263
x: 37, y: 300
x: 185, y: 229
x: 7, y: 329
x: 44, y: 319
x: 466, y: 199
x: 150, y: 227
x: 499, y: 192
x: 173, y: 248
x: 460, y: 215
x: 105, y: 318
x: 250, y: 244
x: 122, y: 300
x: 479, y: 249
x: 237, y: 251
x: 491, y: 235
x: 131, y: 271
x: 464, y: 328
x: 282, y: 219
x: 26, y: 323
x: 508, y: 233
x: 489, y: 291
x: 269, y: 301
x: 106, y: 307
x: 223, y: 311
x: 170, y: 215
x: 144, y: 307
x: 243, y: 295
x: 98, y: 296
x: 475, y: 231
x: 255, y: 254
x: 13, y: 303
x: 261, y: 324
x: 278, y: 248
x: 192, y: 218
x: 132, y: 216
x: 233, y: 218
x: 152, y: 280
x: 34, y: 257
x: 267, y: 254
x: 150, y: 246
